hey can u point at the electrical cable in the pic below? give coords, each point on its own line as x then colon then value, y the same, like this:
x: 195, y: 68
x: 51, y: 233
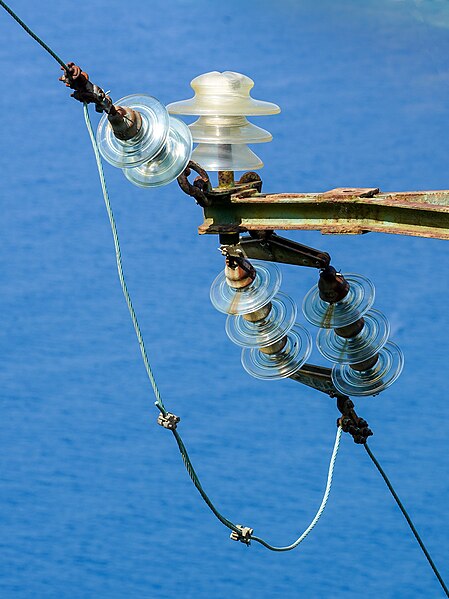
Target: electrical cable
x: 159, y: 403
x: 35, y: 37
x: 320, y: 509
x: 118, y: 257
x: 407, y: 517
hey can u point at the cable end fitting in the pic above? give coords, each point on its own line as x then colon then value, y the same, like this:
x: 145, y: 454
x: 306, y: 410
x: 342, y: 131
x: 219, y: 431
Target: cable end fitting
x: 85, y: 91
x: 168, y: 420
x: 243, y: 535
x: 358, y: 430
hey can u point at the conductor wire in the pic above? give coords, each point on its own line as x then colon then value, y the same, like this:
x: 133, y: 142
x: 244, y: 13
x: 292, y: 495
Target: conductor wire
x: 408, y: 519
x: 35, y: 36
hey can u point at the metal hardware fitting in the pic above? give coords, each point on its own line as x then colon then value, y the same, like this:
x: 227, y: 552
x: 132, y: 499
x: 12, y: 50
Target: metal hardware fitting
x: 85, y: 90
x: 243, y: 535
x: 200, y: 186
x: 332, y: 285
x: 267, y: 245
x: 351, y: 423
x: 168, y: 420
x: 205, y: 195
x: 124, y: 121
x: 316, y: 377
x: 341, y: 211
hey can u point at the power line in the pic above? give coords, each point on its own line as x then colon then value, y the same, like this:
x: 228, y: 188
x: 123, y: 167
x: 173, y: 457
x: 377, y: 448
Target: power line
x: 407, y: 517
x: 320, y: 509
x: 35, y: 36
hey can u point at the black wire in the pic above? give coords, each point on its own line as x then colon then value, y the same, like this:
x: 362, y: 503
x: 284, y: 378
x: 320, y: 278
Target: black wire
x: 196, y: 481
x: 407, y: 517
x: 34, y: 36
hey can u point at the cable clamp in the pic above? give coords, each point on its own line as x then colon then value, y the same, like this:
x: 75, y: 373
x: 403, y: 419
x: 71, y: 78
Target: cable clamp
x: 243, y: 534
x: 86, y: 91
x: 168, y: 420
x: 351, y: 423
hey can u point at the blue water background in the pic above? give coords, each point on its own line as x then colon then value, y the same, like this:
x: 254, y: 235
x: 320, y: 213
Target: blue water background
x: 95, y: 501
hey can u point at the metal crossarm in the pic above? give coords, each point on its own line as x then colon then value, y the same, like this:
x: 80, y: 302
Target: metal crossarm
x: 339, y: 211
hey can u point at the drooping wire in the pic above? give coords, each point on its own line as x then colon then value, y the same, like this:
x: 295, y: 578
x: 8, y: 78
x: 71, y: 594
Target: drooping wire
x: 320, y: 509
x: 196, y: 481
x: 118, y: 257
x: 185, y: 456
x: 408, y: 519
x: 34, y: 36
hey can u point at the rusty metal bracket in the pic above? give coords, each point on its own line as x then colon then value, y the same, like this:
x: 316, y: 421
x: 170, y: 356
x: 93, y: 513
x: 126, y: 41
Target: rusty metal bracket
x: 351, y: 423
x: 316, y: 377
x: 343, y: 211
x: 168, y: 420
x: 243, y: 535
x: 266, y: 245
x: 85, y: 90
x: 250, y: 183
x: 200, y: 187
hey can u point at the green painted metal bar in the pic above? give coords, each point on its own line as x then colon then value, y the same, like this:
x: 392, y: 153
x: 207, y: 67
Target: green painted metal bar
x: 346, y: 211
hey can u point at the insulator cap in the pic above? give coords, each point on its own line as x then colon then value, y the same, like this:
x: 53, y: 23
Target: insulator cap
x: 223, y: 101
x: 226, y: 93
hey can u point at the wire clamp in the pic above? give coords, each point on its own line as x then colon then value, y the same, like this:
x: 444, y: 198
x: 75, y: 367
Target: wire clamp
x: 351, y: 423
x: 243, y: 534
x: 86, y: 91
x: 168, y: 420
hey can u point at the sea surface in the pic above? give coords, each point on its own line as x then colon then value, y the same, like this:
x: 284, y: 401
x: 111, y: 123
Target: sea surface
x: 94, y: 499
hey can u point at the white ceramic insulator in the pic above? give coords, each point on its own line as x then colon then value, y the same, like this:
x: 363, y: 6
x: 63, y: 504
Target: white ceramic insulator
x: 223, y: 94
x: 223, y: 101
x: 226, y: 157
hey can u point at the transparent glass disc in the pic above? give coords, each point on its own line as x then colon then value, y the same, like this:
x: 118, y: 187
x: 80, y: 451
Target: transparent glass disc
x: 226, y: 157
x: 227, y: 130
x: 250, y: 298
x: 285, y: 362
x: 357, y: 349
x: 143, y: 146
x: 359, y: 300
x: 267, y: 331
x: 169, y: 163
x: 370, y: 382
x: 225, y: 93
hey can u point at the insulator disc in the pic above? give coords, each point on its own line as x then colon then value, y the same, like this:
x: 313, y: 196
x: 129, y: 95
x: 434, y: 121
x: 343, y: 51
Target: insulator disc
x: 357, y: 349
x: 224, y: 93
x: 250, y: 298
x: 357, y: 302
x: 169, y: 163
x: 370, y: 382
x: 267, y: 331
x: 227, y: 130
x: 143, y: 146
x: 226, y: 157
x: 285, y: 362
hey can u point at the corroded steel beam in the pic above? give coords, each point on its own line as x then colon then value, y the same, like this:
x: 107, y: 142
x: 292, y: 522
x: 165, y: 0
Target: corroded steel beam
x: 343, y: 211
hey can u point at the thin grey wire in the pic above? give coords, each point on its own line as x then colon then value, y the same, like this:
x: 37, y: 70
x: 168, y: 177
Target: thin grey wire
x: 35, y: 36
x: 118, y: 256
x: 320, y: 509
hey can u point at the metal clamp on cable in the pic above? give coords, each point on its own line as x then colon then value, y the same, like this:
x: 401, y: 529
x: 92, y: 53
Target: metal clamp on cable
x: 85, y: 90
x: 351, y: 423
x: 244, y: 534
x: 168, y: 420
